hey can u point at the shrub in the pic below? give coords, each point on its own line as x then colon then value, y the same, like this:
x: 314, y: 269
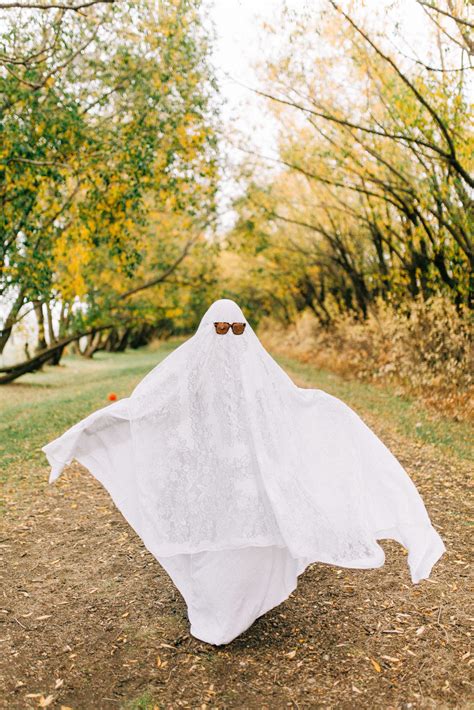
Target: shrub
x: 426, y: 350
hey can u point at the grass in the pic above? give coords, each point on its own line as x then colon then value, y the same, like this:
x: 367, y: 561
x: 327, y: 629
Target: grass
x: 144, y: 702
x: 40, y: 406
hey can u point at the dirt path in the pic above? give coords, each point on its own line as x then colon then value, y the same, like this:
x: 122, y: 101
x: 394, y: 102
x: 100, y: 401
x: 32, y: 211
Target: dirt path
x: 90, y: 620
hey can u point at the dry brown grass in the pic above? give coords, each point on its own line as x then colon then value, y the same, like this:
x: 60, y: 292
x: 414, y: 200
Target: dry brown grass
x: 427, y: 352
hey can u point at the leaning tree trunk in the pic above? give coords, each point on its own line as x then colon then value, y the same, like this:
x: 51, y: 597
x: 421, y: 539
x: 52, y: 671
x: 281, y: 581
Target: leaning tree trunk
x: 8, y: 374
x: 89, y: 348
x: 32, y: 364
x: 56, y: 358
x: 95, y: 343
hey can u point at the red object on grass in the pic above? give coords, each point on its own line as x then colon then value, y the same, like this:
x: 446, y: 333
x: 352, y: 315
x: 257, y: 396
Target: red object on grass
x: 112, y: 397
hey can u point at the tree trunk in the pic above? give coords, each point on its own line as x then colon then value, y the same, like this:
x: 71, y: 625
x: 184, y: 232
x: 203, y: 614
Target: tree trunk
x: 56, y: 359
x: 111, y: 341
x: 41, y: 342
x: 92, y: 343
x: 37, y: 361
x: 123, y: 342
x: 49, y: 316
x: 141, y: 336
x: 10, y: 320
x: 64, y: 317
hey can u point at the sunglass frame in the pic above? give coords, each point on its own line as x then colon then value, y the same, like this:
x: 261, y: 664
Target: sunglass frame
x: 229, y: 326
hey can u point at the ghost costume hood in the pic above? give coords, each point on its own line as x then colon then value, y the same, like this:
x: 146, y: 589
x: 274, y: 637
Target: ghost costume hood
x: 236, y: 479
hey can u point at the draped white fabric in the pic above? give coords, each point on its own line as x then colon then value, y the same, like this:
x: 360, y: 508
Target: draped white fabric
x: 235, y: 479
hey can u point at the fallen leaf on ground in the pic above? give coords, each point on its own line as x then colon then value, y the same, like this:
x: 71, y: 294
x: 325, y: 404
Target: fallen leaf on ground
x: 376, y: 665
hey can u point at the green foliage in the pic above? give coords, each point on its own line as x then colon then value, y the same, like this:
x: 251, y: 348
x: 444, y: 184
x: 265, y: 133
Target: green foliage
x: 108, y: 155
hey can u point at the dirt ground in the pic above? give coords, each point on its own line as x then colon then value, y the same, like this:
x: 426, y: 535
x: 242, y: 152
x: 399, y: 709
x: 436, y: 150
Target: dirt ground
x: 91, y: 621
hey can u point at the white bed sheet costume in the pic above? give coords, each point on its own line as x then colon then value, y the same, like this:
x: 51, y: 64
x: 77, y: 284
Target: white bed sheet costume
x: 236, y: 479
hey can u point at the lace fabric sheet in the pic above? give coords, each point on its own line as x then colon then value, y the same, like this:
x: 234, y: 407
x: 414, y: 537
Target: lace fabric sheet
x: 218, y: 449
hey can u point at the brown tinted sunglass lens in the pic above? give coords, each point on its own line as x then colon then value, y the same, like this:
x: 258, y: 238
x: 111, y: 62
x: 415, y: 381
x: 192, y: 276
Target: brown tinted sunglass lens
x: 221, y: 328
x: 238, y: 328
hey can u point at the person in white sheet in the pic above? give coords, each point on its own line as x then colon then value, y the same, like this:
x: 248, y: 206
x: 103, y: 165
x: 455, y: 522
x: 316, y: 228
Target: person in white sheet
x: 236, y: 479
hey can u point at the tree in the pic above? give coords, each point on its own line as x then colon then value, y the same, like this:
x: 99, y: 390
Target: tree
x: 373, y: 199
x: 108, y: 143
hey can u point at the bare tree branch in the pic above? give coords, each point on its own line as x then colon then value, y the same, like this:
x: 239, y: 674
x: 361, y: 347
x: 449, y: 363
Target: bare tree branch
x: 447, y: 14
x: 444, y: 31
x: 161, y: 277
x: 355, y: 126
x: 423, y: 101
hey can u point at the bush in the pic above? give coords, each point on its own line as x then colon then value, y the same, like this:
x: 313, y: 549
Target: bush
x: 426, y: 350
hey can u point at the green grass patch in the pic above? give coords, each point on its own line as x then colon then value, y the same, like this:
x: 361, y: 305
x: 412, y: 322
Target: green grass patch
x: 40, y: 406
x: 144, y: 702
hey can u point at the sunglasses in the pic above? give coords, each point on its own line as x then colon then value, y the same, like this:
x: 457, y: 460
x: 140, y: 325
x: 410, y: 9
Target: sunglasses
x: 223, y: 328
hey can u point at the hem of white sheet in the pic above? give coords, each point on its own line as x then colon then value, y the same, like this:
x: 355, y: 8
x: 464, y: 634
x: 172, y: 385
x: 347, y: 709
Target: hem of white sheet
x: 227, y: 640
x: 421, y: 570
